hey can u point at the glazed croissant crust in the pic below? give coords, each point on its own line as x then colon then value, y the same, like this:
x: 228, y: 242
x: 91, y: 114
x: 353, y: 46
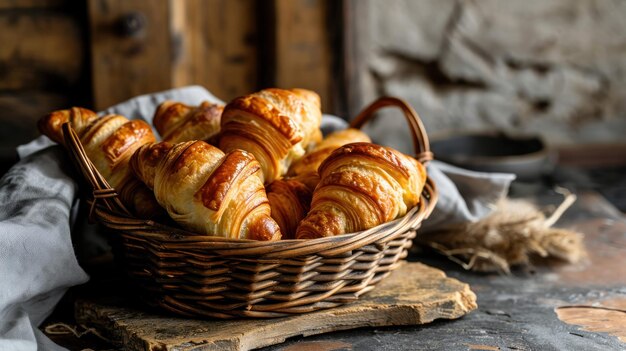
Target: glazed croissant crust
x: 78, y: 117
x: 207, y: 191
x: 361, y: 186
x: 109, y: 142
x: 275, y: 125
x: 177, y: 122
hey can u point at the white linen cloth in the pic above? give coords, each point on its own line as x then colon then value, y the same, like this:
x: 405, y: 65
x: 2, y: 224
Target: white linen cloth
x: 38, y: 200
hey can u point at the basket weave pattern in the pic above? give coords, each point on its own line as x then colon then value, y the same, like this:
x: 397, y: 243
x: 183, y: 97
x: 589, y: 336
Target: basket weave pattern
x: 207, y: 276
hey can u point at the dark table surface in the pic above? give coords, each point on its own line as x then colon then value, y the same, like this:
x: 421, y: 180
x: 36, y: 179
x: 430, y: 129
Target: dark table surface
x: 516, y: 311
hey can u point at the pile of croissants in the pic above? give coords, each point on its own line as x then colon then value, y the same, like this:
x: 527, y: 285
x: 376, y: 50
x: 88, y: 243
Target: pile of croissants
x: 257, y: 168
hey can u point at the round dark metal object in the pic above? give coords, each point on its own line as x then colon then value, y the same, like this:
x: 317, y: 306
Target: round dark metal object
x: 527, y: 157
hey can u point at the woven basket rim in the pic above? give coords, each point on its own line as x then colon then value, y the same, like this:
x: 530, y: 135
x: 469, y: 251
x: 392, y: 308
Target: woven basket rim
x: 192, y: 236
x: 325, y: 246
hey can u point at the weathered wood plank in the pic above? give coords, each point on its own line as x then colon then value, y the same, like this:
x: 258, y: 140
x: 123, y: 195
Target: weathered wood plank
x: 355, y: 48
x: 40, y: 51
x: 31, y: 4
x: 215, y: 45
x: 130, y: 49
x: 414, y: 294
x: 303, y: 58
x: 211, y: 43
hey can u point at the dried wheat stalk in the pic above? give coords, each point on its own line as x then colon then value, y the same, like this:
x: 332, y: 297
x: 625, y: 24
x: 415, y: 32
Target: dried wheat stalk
x: 509, y: 236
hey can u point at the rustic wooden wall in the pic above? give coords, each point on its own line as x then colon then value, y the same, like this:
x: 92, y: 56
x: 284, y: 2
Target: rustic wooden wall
x: 216, y: 45
x: 95, y: 53
x: 43, y: 65
x: 302, y: 52
x: 232, y: 47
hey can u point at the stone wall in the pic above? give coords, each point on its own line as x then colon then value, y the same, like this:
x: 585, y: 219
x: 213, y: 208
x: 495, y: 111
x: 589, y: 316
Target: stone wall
x: 553, y: 67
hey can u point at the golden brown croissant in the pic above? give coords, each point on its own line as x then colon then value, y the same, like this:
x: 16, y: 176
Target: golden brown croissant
x: 361, y: 186
x: 177, y: 122
x: 109, y: 142
x: 275, y: 125
x: 79, y: 118
x: 312, y: 160
x: 290, y: 200
x: 207, y: 191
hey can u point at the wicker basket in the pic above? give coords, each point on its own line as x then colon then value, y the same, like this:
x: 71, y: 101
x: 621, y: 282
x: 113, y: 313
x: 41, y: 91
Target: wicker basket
x: 197, y: 275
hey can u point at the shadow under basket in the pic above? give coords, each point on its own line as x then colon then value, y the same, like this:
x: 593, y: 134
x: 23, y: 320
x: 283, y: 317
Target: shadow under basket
x: 207, y: 276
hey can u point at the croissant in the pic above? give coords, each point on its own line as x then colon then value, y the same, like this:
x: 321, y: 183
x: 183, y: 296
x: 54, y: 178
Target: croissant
x: 177, y: 122
x: 312, y: 160
x: 109, y: 143
x: 290, y: 201
x: 79, y: 118
x: 361, y: 186
x: 207, y: 191
x: 290, y: 198
x: 275, y: 125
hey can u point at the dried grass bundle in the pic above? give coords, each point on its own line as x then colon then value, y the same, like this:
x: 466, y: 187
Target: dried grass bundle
x: 509, y: 236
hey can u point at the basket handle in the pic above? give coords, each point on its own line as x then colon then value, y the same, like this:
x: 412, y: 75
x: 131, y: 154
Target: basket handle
x: 101, y: 188
x: 421, y: 144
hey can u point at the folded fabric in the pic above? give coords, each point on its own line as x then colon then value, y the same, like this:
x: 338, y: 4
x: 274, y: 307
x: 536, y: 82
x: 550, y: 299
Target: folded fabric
x: 464, y: 195
x: 37, y: 261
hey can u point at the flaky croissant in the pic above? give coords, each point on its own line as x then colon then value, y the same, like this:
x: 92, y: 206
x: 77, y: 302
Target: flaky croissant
x: 177, y: 122
x: 207, y: 191
x: 109, y: 142
x: 290, y: 198
x: 312, y: 160
x: 79, y: 118
x: 290, y: 201
x: 275, y: 125
x: 361, y: 186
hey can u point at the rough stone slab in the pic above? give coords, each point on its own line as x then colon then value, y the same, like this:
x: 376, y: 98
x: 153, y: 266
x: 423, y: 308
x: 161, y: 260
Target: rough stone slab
x: 414, y: 294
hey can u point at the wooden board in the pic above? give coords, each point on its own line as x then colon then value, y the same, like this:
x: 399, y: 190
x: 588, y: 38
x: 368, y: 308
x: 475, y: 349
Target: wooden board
x: 167, y: 43
x: 355, y: 48
x: 130, y: 49
x: 43, y: 66
x: 414, y: 294
x: 303, y: 57
x: 31, y: 4
x: 39, y: 50
x: 215, y: 45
